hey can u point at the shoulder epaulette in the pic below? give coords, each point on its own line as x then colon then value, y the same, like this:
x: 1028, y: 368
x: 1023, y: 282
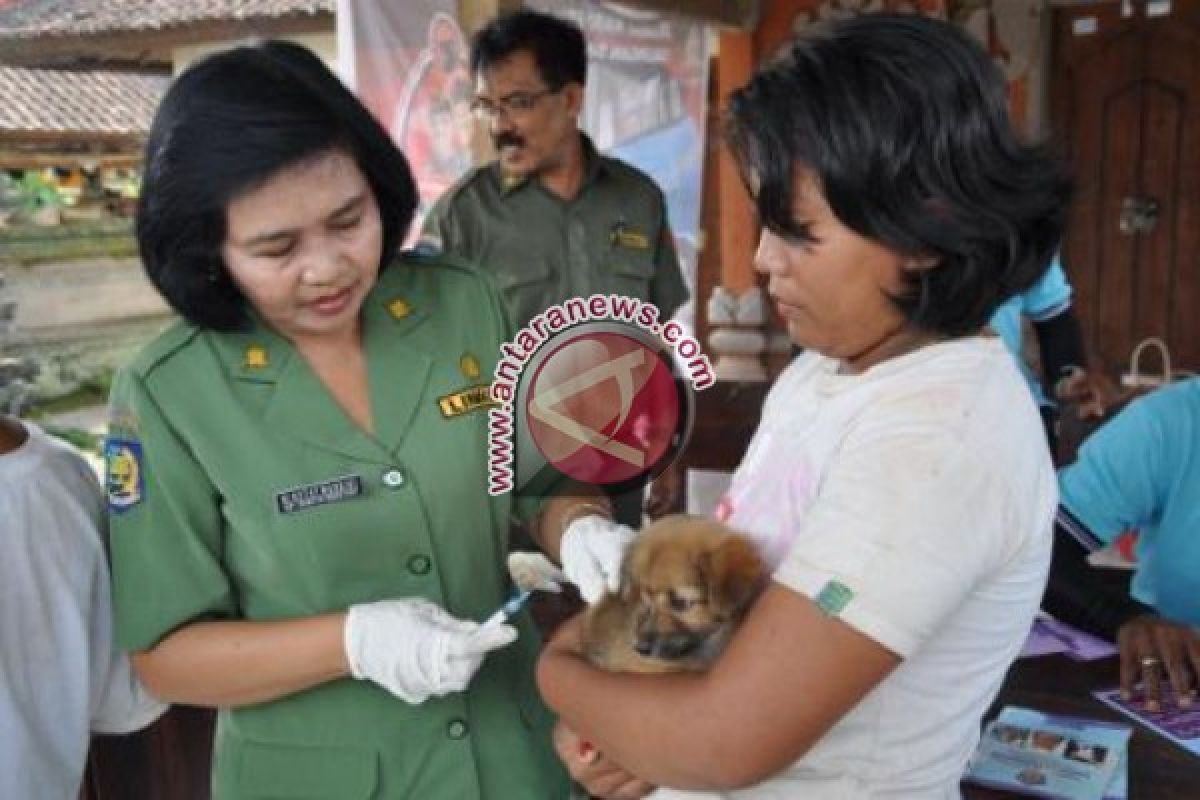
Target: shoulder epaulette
x: 430, y: 256
x: 466, y: 181
x: 162, y: 347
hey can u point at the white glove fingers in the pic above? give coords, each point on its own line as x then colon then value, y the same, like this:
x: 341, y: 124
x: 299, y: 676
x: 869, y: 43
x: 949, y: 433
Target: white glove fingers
x: 592, y: 548
x: 485, y: 639
x: 591, y: 586
x: 416, y: 650
x: 613, y: 584
x: 533, y: 571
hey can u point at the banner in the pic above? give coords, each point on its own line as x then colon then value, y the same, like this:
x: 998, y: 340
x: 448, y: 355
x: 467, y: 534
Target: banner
x: 408, y: 64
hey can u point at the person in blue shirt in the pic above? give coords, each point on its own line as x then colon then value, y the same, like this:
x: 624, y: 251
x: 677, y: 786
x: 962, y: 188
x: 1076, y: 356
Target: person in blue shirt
x: 1141, y: 470
x: 1068, y: 376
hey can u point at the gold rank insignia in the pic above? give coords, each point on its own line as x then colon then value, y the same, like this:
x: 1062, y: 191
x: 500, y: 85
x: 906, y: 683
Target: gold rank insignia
x: 470, y: 399
x: 399, y: 308
x: 469, y: 365
x: 256, y: 357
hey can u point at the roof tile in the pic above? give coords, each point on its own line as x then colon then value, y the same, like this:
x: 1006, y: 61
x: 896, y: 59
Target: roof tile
x: 21, y: 19
x: 65, y: 101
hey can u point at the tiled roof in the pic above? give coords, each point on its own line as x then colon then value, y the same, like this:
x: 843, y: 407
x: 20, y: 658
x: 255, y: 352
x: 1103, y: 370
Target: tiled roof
x: 95, y: 102
x: 23, y: 19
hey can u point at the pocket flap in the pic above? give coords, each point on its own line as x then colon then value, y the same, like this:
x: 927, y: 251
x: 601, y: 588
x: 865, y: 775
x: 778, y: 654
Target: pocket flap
x: 311, y: 772
x: 632, y: 264
x: 531, y: 271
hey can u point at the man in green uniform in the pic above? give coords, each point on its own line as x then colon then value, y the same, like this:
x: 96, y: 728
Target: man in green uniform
x: 550, y: 217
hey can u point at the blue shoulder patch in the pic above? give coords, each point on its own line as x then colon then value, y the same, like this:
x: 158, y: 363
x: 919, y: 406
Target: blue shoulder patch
x: 123, y: 473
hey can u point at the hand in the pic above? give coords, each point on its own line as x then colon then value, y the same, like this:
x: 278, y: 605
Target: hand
x: 414, y: 649
x: 587, y: 766
x: 1154, y: 649
x: 533, y: 571
x: 665, y: 492
x: 591, y: 549
x: 1091, y: 391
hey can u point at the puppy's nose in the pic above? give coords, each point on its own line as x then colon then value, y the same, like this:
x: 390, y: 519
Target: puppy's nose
x: 668, y: 647
x: 677, y: 645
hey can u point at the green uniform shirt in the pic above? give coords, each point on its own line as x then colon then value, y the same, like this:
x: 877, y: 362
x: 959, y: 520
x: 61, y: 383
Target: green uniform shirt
x: 611, y: 238
x: 239, y: 489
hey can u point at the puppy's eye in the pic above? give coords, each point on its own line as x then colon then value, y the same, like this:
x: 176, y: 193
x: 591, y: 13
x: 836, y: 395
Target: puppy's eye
x: 678, y: 602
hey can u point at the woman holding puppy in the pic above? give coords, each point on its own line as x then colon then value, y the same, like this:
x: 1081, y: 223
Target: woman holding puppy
x: 301, y: 530
x: 899, y: 479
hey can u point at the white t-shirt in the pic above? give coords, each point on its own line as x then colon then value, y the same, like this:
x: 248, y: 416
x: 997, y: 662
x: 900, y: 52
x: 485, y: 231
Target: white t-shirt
x: 61, y: 676
x: 915, y: 502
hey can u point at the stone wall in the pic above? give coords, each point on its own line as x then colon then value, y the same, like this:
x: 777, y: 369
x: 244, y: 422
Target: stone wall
x: 79, y: 320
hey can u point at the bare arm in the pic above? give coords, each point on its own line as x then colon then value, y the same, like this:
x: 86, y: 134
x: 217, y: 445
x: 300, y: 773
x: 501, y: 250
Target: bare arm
x: 237, y: 663
x: 788, y: 676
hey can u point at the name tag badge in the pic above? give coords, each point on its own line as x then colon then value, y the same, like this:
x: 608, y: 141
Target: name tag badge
x: 302, y: 498
x: 631, y: 239
x: 469, y: 399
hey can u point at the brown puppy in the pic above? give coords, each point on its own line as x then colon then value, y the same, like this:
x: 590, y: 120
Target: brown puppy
x: 686, y: 583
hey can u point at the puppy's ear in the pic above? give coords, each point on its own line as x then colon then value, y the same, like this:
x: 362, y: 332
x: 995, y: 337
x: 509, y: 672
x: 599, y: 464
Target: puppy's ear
x: 735, y: 573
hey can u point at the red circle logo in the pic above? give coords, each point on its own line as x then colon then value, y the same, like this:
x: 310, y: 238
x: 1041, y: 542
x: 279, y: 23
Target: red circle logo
x: 603, y: 407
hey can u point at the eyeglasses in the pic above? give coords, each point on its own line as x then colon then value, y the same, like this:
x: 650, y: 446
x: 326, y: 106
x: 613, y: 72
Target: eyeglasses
x: 510, y: 105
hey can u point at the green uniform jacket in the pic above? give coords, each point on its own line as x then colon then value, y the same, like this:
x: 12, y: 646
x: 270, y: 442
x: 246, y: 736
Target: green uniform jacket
x: 240, y: 490
x: 611, y: 238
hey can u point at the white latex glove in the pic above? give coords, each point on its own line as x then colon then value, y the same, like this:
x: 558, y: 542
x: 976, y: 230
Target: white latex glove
x: 591, y: 550
x: 414, y: 649
x: 534, y: 572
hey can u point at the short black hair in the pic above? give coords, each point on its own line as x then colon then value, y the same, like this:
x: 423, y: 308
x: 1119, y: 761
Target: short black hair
x: 557, y: 45
x: 903, y: 122
x: 226, y: 125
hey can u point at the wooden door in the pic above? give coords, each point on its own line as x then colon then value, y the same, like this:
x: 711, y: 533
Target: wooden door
x: 1126, y: 110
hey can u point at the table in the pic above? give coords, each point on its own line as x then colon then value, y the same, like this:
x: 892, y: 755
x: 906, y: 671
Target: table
x: 1158, y: 768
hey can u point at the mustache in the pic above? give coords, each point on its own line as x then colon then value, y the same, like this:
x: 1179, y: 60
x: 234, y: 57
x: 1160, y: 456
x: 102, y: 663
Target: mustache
x: 506, y: 139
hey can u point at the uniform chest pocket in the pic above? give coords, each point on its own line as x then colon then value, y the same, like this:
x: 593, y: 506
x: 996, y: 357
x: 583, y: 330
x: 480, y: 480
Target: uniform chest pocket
x: 630, y: 270
x: 305, y: 541
x: 270, y: 770
x: 527, y: 287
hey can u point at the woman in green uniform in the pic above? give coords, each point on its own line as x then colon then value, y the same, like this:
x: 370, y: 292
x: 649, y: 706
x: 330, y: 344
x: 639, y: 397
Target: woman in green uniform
x: 302, y: 535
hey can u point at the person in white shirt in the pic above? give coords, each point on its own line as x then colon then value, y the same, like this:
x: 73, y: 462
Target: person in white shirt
x: 899, y: 482
x: 61, y: 675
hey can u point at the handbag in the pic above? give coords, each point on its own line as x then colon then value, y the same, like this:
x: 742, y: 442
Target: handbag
x: 1137, y: 382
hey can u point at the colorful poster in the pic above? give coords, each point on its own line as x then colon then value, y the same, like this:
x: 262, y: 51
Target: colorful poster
x: 408, y: 64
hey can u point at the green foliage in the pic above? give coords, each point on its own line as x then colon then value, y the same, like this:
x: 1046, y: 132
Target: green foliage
x: 29, y: 244
x: 35, y: 192
x: 81, y: 439
x: 86, y: 395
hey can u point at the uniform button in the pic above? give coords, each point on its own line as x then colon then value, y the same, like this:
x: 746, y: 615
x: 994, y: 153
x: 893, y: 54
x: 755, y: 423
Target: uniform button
x: 393, y: 479
x: 419, y: 565
x: 456, y: 728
